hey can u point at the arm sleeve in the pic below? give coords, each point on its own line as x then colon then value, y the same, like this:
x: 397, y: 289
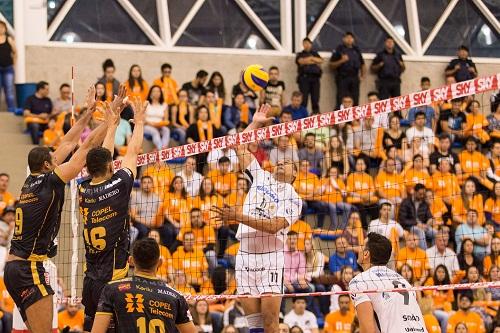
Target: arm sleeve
x: 28, y: 104
x: 450, y: 65
x: 127, y: 177
x: 354, y: 286
x: 254, y: 171
x: 55, y: 179
x: 377, y: 60
x: 183, y: 314
x: 105, y: 304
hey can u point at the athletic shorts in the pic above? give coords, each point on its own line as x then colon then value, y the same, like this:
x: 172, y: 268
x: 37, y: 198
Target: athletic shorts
x: 91, y: 294
x: 259, y: 273
x: 27, y: 282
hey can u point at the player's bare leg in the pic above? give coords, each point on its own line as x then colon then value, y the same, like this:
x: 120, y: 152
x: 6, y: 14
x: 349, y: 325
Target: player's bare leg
x: 40, y: 315
x: 270, y: 309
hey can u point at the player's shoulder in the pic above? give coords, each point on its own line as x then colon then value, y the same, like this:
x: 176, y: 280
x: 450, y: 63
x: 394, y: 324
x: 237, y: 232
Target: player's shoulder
x: 121, y: 285
x: 125, y: 174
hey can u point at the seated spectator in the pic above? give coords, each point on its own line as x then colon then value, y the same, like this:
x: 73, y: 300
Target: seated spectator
x: 361, y: 191
x: 462, y: 67
x: 494, y: 119
x: 299, y: 316
x: 63, y: 103
x: 333, y: 191
x: 37, y: 110
x: 295, y: 107
x: 224, y: 181
x: 135, y: 84
x: 453, y: 121
x: 415, y: 216
x: 480, y: 236
x: 182, y: 116
x: 274, y: 93
x: 216, y: 84
x: 467, y: 258
x: 162, y: 177
x: 493, y: 172
x: 315, y: 263
x: 311, y: 153
x: 390, y: 184
x: 431, y: 323
x: 175, y: 205
x: 469, y: 199
x: 471, y: 320
x: 342, y: 257
x: 123, y: 135
x: 428, y: 110
x: 216, y: 109
x: 191, y: 260
x: 342, y: 284
x: 295, y: 279
x: 164, y: 271
x: 476, y: 123
x: 362, y: 141
x: 445, y: 183
x: 215, y: 155
x: 386, y: 227
x: 234, y: 316
x: 492, y: 259
x: 6, y: 198
x: 7, y: 223
x: 192, y: 179
x: 111, y: 84
x: 237, y: 197
x: 474, y: 164
x: 406, y: 271
x: 51, y: 136
x: 296, y: 329
x: 284, y: 150
x: 336, y: 156
x: 492, y: 208
x: 145, y: 208
x: 236, y: 114
x: 207, y: 197
x: 419, y: 130
x: 340, y: 321
x: 480, y: 296
x: 438, y: 209
x: 284, y: 328
x: 441, y: 255
x: 417, y: 174
x: 204, y: 320
x: 392, y: 153
x: 444, y: 151
x: 416, y: 148
x: 395, y: 136
x: 442, y: 300
x: 168, y: 85
x: 415, y: 257
x: 71, y: 319
x: 494, y: 276
x: 250, y: 95
x: 157, y: 118
x: 308, y: 188
x: 196, y: 88
x: 286, y: 117
x: 381, y: 119
x: 181, y: 285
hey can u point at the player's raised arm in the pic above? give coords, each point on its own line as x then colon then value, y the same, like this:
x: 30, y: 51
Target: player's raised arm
x: 135, y: 144
x: 259, y: 119
x: 367, y: 324
x: 70, y: 139
x: 187, y: 328
x: 113, y: 110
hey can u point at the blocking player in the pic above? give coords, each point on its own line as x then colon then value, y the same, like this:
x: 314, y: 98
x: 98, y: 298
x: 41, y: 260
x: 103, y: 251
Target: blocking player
x: 270, y: 208
x: 143, y: 303
x: 104, y: 206
x: 384, y: 312
x: 38, y: 217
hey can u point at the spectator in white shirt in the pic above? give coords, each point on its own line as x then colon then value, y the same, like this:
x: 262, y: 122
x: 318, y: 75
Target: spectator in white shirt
x: 419, y: 130
x: 384, y: 225
x: 157, y: 118
x: 214, y: 156
x: 192, y: 179
x: 299, y: 316
x: 284, y: 150
x: 441, y: 254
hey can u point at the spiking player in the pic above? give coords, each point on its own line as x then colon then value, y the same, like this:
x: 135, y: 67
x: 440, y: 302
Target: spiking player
x: 143, y: 303
x: 270, y: 208
x: 384, y: 312
x: 104, y: 205
x: 38, y: 218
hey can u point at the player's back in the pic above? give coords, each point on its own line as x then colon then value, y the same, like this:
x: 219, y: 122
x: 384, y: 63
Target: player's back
x: 394, y: 311
x: 38, y: 216
x: 105, y: 211
x: 144, y: 304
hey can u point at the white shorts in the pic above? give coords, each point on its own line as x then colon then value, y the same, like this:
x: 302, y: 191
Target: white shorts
x: 259, y: 273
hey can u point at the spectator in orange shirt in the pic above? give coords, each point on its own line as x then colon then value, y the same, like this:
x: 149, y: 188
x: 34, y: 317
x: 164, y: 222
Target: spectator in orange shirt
x: 438, y: 209
x: 493, y: 259
x: 165, y: 268
x: 191, y: 260
x: 136, y: 85
x: 182, y: 115
x: 492, y: 208
x: 361, y: 192
x: 72, y: 317
x: 168, y: 85
x: 390, y: 185
x: 6, y: 198
x: 474, y: 164
x: 415, y: 257
x: 431, y: 323
x: 223, y: 180
x: 445, y: 184
x: 477, y: 123
x: 417, y: 174
x: 175, y: 203
x: 442, y: 299
x: 51, y: 136
x: 340, y: 321
x: 469, y: 199
x: 472, y: 321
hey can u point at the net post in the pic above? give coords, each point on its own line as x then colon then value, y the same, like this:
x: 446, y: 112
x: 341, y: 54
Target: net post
x: 74, y: 238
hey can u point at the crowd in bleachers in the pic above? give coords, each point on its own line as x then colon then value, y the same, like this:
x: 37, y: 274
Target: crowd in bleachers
x: 427, y: 178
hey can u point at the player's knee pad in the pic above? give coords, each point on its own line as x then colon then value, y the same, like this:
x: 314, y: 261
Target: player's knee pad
x: 255, y: 323
x: 87, y: 323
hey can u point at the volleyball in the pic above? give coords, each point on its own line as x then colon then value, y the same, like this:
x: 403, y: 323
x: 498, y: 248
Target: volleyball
x: 255, y: 77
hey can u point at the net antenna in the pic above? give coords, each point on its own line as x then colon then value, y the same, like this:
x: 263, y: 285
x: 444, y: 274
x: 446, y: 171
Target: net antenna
x: 73, y: 206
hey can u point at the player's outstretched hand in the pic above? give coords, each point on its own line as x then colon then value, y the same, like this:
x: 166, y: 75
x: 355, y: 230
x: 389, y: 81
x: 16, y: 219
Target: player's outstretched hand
x: 90, y: 101
x: 139, y: 108
x: 224, y: 214
x: 260, y: 117
x: 111, y: 115
x: 120, y: 98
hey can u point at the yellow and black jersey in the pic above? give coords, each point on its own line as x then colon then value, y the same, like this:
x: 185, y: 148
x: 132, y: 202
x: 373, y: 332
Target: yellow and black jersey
x: 38, y: 216
x: 143, y: 304
x: 105, y: 211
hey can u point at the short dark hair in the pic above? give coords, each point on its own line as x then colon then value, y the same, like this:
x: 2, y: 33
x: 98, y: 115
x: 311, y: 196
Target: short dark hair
x: 274, y: 68
x: 420, y: 113
x: 299, y: 298
x: 348, y: 33
x: 292, y: 233
x: 384, y: 203
x: 201, y: 74
x: 108, y: 63
x: 286, y: 112
x: 310, y: 134
x: 373, y: 93
x: 164, y: 66
x: 444, y: 136
x: 146, y: 177
x: 380, y: 249
x: 466, y: 294
x: 419, y: 187
x: 64, y: 85
x: 297, y: 93
x: 417, y: 156
x: 97, y: 161
x: 224, y: 159
x: 344, y: 295
x: 162, y: 98
x: 3, y: 174
x: 425, y: 79
x: 389, y: 37
x: 195, y: 209
x: 41, y: 85
x: 146, y: 253
x: 37, y: 157
x: 307, y: 39
x: 463, y: 47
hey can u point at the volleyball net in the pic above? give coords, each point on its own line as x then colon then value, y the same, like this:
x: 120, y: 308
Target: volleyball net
x: 356, y: 169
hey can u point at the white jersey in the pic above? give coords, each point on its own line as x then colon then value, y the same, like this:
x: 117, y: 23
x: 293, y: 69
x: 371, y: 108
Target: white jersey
x: 385, y: 229
x: 266, y: 199
x: 395, y: 312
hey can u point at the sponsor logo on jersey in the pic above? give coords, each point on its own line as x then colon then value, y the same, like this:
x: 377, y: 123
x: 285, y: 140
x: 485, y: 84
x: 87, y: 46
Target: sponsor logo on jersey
x: 255, y: 269
x: 268, y: 192
x: 46, y: 277
x: 124, y: 286
x: 411, y: 317
x: 134, y: 302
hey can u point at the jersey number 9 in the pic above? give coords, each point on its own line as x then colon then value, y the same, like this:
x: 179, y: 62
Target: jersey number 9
x: 96, y: 239
x: 18, y: 229
x: 155, y: 326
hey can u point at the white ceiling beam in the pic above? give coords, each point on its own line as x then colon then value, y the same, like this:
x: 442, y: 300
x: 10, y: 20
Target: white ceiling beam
x: 414, y: 26
x: 286, y: 24
x: 488, y: 15
x: 164, y: 21
x: 320, y: 22
x: 300, y: 16
x: 141, y: 22
x: 189, y: 17
x: 439, y: 24
x: 61, y: 14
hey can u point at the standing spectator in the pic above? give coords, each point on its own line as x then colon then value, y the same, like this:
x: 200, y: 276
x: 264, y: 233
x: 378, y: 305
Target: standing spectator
x: 430, y: 113
x: 157, y: 118
x: 415, y: 257
x: 340, y: 321
x: 342, y: 257
x: 6, y: 198
x: 349, y: 65
x: 182, y: 115
x: 136, y: 85
x: 309, y: 74
x: 284, y: 150
x: 480, y: 236
x: 168, y: 85
x: 311, y: 153
x: 71, y: 319
x: 192, y: 179
x: 299, y: 316
x: 144, y: 207
x: 216, y: 84
x: 471, y: 320
x: 108, y: 79
x: 444, y: 151
x: 389, y: 65
x: 274, y: 93
x: 295, y: 267
x: 441, y: 254
x: 462, y: 68
x: 453, y: 122
x: 8, y: 57
x: 297, y: 110
x: 37, y: 110
x: 196, y: 88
